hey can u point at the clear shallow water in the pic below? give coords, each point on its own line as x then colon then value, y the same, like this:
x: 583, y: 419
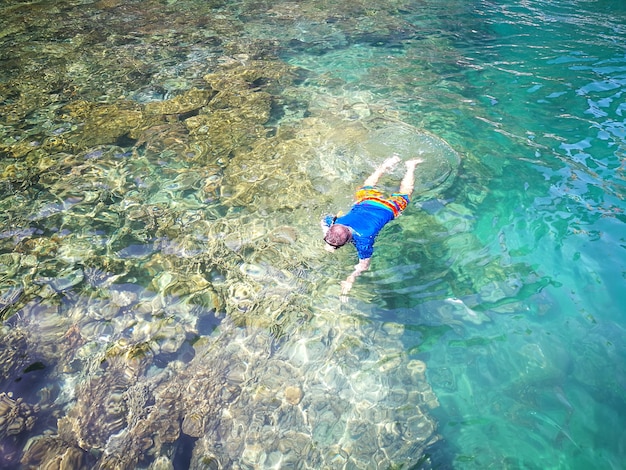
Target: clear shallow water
x: 508, y: 284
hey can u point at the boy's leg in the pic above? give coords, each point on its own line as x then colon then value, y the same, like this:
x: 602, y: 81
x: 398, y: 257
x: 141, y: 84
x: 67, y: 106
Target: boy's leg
x: 386, y: 165
x: 408, y: 182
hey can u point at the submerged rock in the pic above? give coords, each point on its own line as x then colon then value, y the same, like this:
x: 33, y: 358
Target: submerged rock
x: 183, y: 104
x: 51, y: 453
x: 16, y: 416
x: 293, y: 394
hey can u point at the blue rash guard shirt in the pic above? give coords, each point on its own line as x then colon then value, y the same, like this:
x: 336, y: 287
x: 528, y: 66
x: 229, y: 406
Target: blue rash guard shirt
x: 368, y: 216
x: 365, y: 221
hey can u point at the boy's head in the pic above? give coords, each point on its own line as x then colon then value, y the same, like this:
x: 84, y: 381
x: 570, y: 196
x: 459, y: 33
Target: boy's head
x: 337, y: 236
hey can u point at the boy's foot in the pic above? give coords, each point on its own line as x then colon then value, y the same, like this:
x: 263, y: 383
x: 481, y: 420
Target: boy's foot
x: 414, y: 162
x: 390, y: 162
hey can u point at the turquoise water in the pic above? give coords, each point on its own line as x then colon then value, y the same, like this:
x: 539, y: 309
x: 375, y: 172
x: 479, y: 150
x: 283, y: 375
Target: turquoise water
x: 528, y: 242
x: 173, y: 264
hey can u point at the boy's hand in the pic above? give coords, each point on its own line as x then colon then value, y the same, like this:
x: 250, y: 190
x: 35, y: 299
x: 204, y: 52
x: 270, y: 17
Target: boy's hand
x: 347, y: 284
x: 345, y: 289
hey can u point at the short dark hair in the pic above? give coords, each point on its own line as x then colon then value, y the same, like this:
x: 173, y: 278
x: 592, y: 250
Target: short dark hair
x: 338, y: 235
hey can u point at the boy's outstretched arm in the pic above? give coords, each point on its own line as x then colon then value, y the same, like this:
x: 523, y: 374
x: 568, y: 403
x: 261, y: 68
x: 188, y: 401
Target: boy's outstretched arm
x: 346, y: 285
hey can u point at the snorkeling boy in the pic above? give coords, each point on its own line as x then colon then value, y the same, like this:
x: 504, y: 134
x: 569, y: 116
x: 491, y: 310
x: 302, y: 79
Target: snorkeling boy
x: 369, y: 214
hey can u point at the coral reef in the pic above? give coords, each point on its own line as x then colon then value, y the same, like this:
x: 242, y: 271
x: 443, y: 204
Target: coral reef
x: 16, y: 419
x: 15, y: 416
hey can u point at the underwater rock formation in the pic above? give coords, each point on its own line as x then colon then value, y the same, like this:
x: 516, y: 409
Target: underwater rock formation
x: 304, y: 403
x: 49, y: 453
x: 16, y: 417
